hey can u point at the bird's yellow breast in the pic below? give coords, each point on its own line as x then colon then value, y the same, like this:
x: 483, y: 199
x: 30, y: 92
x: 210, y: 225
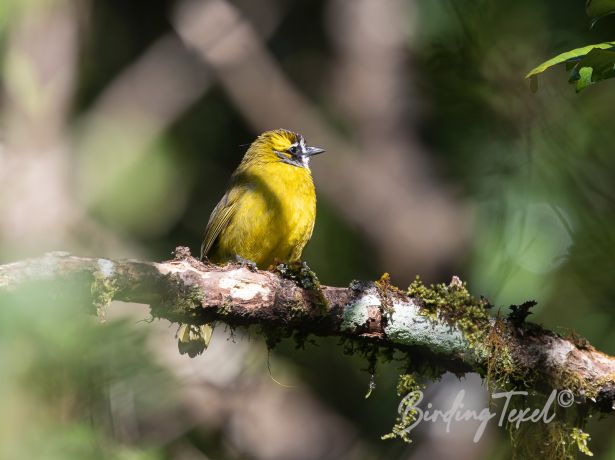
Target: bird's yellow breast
x: 273, y: 218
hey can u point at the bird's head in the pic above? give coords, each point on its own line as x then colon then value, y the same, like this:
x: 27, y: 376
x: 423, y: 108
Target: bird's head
x: 285, y: 146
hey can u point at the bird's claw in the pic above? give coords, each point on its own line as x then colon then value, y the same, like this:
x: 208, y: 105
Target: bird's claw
x: 304, y: 276
x: 245, y: 263
x: 301, y: 273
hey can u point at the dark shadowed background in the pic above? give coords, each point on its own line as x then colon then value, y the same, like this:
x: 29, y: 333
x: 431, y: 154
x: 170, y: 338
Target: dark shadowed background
x: 121, y: 123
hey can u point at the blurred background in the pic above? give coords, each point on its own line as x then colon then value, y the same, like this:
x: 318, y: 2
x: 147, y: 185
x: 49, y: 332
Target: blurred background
x: 121, y: 123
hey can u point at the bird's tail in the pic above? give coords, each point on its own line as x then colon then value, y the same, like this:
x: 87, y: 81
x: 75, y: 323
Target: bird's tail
x: 194, y: 340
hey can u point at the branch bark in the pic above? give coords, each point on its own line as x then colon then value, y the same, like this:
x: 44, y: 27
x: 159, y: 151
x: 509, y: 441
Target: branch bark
x: 189, y: 291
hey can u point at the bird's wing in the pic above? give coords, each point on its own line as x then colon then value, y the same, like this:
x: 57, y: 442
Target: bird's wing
x: 219, y: 219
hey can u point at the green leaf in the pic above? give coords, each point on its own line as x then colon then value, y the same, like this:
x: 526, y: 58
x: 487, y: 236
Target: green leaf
x: 601, y: 61
x: 586, y: 65
x: 597, y: 9
x: 585, y: 78
x: 569, y: 57
x: 595, y: 66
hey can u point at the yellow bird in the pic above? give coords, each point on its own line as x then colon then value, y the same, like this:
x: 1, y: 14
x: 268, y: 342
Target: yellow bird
x: 266, y: 216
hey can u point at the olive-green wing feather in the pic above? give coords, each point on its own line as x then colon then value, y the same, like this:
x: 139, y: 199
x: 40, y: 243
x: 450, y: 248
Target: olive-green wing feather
x: 219, y: 219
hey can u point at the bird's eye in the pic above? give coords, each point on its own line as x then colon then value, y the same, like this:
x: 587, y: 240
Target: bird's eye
x: 293, y: 150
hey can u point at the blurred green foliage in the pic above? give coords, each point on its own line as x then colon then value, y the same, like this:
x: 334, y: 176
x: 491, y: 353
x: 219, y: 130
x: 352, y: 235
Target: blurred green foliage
x: 68, y: 383
x: 597, y: 9
x: 537, y: 166
x: 536, y: 169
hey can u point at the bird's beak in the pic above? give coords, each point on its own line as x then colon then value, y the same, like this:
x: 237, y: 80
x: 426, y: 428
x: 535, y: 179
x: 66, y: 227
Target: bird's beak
x: 311, y: 151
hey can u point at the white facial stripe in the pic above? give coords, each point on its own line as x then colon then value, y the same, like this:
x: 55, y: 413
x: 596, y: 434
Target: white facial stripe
x: 299, y: 158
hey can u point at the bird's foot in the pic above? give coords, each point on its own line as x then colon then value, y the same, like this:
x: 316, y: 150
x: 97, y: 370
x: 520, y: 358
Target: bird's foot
x: 299, y: 272
x: 245, y: 263
x: 304, y: 276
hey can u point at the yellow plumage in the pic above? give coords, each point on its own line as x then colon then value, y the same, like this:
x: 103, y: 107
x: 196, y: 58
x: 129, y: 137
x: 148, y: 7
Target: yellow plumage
x: 269, y: 210
x: 267, y: 214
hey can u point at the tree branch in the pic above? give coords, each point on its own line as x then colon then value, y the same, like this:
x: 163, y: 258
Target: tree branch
x: 444, y: 324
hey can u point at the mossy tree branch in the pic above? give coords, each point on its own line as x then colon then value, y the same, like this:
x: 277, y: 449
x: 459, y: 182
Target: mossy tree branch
x: 444, y: 323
